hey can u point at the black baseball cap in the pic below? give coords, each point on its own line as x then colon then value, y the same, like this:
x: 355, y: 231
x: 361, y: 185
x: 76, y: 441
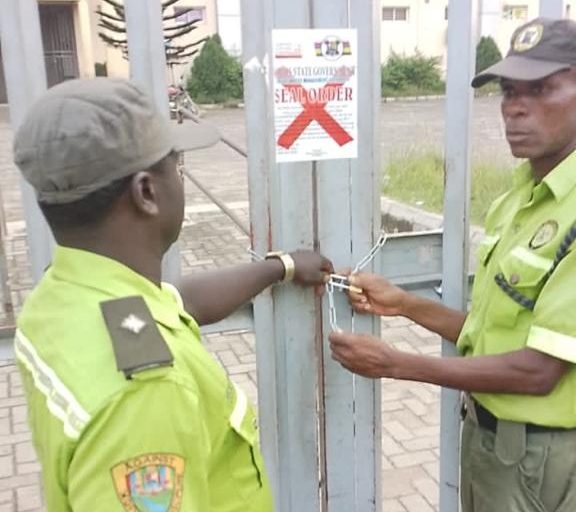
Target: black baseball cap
x: 538, y: 49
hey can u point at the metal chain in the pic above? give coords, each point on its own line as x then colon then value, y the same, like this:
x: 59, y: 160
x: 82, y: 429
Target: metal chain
x: 341, y: 283
x: 372, y: 254
x: 338, y: 282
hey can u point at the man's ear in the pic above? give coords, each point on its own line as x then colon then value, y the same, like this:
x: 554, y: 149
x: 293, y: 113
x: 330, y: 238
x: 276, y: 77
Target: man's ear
x: 144, y: 194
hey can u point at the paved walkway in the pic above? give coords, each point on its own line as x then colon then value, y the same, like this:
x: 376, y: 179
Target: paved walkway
x: 410, y: 411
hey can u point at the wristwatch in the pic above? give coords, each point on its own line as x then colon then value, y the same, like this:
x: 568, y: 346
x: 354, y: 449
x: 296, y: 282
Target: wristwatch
x: 287, y: 261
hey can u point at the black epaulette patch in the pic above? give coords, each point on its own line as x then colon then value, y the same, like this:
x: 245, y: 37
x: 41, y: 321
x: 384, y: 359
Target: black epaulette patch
x: 138, y: 344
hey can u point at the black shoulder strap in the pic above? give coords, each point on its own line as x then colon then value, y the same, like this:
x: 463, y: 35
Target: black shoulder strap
x: 138, y: 344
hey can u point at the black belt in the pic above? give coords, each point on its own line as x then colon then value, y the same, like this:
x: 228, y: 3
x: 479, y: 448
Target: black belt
x: 488, y: 421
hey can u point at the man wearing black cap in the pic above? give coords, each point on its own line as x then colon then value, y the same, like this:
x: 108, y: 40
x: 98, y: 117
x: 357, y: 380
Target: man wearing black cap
x: 519, y: 338
x: 127, y: 409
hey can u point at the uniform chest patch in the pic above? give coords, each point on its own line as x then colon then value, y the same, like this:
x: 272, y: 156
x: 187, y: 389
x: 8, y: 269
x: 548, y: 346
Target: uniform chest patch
x: 544, y: 234
x: 152, y: 482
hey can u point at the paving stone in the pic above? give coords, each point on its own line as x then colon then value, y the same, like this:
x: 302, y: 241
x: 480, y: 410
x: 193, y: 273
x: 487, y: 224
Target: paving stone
x: 391, y: 447
x: 416, y: 503
x: 28, y: 468
x: 6, y: 466
x: 428, y: 487
x: 397, y: 482
x: 25, y: 452
x: 392, y: 506
x: 28, y: 498
x: 416, y: 406
x: 413, y: 459
x: 5, y: 426
x: 398, y: 431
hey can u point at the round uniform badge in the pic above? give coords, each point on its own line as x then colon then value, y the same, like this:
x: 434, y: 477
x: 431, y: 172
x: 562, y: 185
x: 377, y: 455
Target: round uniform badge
x: 544, y: 234
x: 528, y: 38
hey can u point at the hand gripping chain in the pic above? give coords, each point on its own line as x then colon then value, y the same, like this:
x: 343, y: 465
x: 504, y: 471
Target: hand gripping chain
x: 338, y: 282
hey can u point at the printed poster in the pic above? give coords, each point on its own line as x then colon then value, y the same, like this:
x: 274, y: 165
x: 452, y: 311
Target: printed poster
x: 315, y: 94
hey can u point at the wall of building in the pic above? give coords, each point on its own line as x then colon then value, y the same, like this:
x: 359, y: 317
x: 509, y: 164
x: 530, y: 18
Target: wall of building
x: 517, y: 12
x: 230, y: 26
x: 83, y: 32
x: 408, y: 26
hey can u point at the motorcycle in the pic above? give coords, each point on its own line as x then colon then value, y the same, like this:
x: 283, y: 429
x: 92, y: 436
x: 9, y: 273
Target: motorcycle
x: 181, y: 104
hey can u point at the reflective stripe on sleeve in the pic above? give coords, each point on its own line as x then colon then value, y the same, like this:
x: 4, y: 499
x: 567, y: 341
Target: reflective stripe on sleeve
x: 552, y: 343
x: 240, y: 408
x: 59, y: 399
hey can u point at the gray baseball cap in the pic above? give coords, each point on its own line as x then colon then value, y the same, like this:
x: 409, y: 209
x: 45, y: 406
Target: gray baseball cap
x: 538, y: 49
x: 84, y: 134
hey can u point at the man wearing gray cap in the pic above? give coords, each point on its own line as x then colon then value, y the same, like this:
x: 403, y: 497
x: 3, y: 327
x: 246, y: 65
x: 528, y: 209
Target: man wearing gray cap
x: 518, y: 340
x: 128, y: 411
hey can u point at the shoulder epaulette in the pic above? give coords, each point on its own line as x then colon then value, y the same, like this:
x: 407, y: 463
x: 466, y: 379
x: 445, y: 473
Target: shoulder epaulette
x: 138, y: 344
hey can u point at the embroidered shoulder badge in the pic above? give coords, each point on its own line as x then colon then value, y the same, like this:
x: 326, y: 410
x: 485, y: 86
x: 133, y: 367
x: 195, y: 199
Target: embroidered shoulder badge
x: 152, y: 482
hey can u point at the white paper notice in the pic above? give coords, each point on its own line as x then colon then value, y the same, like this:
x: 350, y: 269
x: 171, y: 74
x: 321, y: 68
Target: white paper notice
x: 315, y: 88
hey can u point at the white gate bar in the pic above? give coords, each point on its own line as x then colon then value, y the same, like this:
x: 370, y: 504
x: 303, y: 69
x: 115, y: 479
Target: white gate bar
x: 365, y: 200
x: 281, y: 200
x: 348, y: 222
x: 147, y: 55
x: 295, y: 316
x: 256, y: 44
x: 462, y: 39
x: 25, y: 73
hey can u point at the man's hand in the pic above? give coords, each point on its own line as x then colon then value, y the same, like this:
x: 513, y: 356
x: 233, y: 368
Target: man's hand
x: 312, y: 269
x: 378, y: 297
x: 363, y: 354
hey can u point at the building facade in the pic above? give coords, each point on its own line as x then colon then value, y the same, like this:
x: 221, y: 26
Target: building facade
x: 410, y: 26
x: 67, y: 41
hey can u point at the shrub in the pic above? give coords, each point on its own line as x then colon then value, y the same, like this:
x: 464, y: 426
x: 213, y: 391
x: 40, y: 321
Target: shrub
x: 216, y: 77
x: 410, y: 75
x: 487, y: 54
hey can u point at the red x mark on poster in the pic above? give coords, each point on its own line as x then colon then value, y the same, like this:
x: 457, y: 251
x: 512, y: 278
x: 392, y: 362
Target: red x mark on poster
x: 314, y: 110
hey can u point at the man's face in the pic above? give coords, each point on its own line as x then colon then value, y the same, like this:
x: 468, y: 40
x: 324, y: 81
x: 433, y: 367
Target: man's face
x: 540, y: 116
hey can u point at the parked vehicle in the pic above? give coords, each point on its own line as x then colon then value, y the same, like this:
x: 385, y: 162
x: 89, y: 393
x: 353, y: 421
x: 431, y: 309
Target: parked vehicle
x: 181, y: 104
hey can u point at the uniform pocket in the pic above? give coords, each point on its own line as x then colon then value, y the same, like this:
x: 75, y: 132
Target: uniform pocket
x: 523, y: 274
x: 531, y: 469
x: 486, y: 248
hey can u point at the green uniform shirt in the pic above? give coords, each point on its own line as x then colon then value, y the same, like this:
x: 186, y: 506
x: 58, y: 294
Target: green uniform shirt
x: 179, y: 438
x: 524, y: 229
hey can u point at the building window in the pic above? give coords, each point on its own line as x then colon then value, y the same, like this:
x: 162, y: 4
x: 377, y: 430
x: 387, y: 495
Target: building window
x: 395, y: 14
x: 189, y: 14
x: 515, y: 12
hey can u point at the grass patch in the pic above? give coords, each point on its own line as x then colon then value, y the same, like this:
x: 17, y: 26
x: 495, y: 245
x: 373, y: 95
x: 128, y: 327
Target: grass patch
x: 418, y: 179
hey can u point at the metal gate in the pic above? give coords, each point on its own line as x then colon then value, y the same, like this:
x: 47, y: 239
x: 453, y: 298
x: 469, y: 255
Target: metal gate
x: 3, y: 93
x: 59, y: 41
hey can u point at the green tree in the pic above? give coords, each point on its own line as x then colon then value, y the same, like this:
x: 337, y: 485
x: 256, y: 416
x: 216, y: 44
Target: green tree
x: 411, y: 75
x: 487, y: 54
x: 216, y: 77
